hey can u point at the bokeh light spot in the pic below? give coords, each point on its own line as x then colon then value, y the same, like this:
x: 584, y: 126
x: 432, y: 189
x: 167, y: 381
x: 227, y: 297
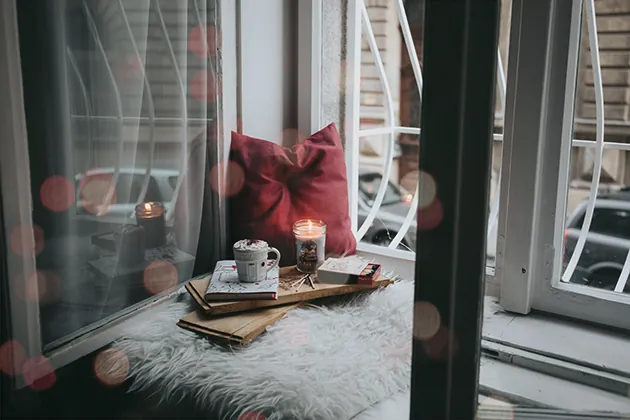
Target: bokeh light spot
x: 160, y: 276
x: 227, y: 179
x: 431, y: 216
x: 12, y: 357
x: 24, y: 241
x: 427, y: 190
x: 111, y: 367
x: 39, y: 373
x: 442, y: 345
x: 57, y: 193
x: 39, y: 286
x: 203, y: 87
x: 129, y: 66
x: 252, y: 415
x: 426, y: 320
x: 204, y: 49
x: 97, y: 193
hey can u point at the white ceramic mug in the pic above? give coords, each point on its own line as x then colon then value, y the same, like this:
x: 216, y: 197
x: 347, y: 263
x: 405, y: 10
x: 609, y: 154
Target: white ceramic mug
x: 251, y: 259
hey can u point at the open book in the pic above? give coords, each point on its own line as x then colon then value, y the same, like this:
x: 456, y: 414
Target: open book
x: 224, y: 284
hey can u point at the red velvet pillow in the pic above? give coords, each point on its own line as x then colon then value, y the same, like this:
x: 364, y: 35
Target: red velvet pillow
x: 282, y: 185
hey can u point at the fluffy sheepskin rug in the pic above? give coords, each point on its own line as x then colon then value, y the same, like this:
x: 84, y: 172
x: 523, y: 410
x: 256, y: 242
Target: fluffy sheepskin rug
x: 319, y: 362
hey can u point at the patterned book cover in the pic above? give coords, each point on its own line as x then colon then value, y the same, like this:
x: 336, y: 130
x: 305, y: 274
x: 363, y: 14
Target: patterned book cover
x: 224, y: 284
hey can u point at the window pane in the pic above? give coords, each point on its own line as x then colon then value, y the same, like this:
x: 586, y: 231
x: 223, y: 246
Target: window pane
x: 599, y: 260
x: 130, y: 102
x: 402, y: 101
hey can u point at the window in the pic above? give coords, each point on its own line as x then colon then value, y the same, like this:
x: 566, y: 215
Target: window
x: 388, y: 45
x: 131, y: 102
x: 140, y: 101
x: 567, y: 197
x: 369, y: 185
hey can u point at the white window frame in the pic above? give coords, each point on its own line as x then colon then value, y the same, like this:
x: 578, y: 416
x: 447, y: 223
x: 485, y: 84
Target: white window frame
x: 538, y: 140
x: 358, y: 25
x: 17, y: 204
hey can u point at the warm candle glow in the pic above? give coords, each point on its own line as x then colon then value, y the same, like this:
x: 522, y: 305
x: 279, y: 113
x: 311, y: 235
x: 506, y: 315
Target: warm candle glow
x: 147, y: 206
x: 310, y: 243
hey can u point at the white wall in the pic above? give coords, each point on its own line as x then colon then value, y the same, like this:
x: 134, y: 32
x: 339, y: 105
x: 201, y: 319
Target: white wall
x: 266, y: 81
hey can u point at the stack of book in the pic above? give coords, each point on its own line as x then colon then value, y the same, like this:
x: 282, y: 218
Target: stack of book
x: 238, y: 312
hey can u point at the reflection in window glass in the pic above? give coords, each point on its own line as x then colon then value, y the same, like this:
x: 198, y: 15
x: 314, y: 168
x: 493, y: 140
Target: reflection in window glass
x: 138, y: 95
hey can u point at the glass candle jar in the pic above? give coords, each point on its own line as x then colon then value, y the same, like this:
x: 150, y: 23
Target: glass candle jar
x: 310, y: 244
x: 150, y: 216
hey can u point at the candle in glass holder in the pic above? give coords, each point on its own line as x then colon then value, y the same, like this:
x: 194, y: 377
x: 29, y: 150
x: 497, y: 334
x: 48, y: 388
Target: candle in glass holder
x: 151, y: 217
x: 310, y: 243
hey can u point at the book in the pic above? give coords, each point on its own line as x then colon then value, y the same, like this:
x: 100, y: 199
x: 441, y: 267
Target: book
x: 348, y: 270
x: 224, y: 284
x: 287, y: 293
x: 238, y: 329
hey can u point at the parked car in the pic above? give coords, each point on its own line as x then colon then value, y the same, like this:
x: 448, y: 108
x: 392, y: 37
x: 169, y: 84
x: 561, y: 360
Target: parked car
x: 95, y: 182
x: 607, y: 241
x: 391, y: 215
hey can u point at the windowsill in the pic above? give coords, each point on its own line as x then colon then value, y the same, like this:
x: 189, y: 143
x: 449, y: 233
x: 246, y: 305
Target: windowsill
x: 551, y: 336
x: 540, y: 360
x: 107, y: 334
x: 549, y: 361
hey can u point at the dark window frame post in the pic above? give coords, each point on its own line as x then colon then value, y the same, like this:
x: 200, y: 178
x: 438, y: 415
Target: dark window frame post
x: 460, y: 44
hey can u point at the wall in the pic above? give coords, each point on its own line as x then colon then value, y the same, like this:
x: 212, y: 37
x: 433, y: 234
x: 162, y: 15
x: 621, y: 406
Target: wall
x: 268, y: 67
x: 334, y: 64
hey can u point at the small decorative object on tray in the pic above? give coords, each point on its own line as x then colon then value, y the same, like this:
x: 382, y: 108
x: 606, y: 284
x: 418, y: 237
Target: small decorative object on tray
x: 348, y: 270
x: 369, y: 274
x: 225, y: 285
x: 310, y: 243
x: 151, y: 216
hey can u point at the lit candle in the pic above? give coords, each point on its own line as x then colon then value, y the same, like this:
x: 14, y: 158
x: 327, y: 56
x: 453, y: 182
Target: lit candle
x: 310, y: 243
x: 151, y: 217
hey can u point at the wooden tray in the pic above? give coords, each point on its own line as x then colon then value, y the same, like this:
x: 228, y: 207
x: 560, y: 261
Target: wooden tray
x: 286, y: 294
x: 235, y: 329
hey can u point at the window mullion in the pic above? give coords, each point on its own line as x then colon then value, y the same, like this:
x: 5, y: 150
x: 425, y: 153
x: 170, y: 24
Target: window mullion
x: 309, y: 66
x: 518, y: 257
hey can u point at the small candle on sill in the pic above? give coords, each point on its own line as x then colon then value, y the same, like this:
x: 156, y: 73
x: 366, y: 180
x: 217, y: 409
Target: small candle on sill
x: 150, y: 216
x: 310, y: 243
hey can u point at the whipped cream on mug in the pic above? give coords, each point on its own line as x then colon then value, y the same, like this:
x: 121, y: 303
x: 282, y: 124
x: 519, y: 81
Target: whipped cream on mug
x: 250, y: 245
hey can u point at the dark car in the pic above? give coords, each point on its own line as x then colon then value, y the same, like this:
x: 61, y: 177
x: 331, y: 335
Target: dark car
x: 607, y: 241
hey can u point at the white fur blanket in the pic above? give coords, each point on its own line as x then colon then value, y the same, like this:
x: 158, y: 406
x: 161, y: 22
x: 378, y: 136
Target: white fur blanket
x: 319, y: 362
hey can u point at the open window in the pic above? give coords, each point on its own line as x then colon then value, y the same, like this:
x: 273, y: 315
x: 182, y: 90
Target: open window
x: 137, y: 105
x: 567, y: 181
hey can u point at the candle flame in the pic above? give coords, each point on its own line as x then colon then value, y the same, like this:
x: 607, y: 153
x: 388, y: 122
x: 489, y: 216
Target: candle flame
x: 147, y: 206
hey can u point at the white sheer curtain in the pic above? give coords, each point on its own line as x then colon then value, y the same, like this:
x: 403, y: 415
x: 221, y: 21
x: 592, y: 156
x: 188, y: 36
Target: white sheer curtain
x: 129, y: 99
